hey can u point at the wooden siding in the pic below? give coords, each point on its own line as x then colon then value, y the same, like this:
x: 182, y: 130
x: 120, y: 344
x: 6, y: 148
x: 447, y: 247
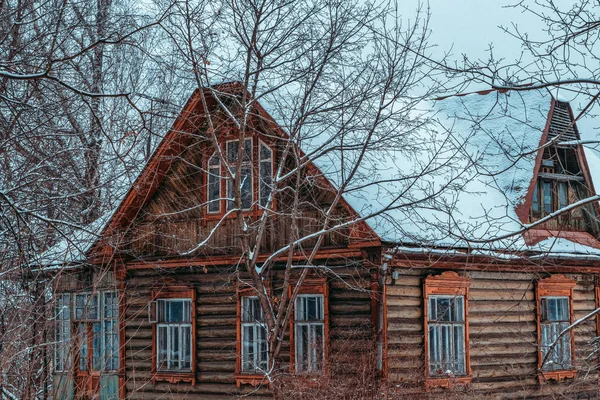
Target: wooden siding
x: 503, y: 337
x: 350, y: 329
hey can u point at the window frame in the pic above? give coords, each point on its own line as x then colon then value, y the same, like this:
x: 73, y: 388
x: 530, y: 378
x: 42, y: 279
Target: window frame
x: 271, y: 164
x: 447, y: 284
x: 173, y: 293
x: 210, y: 167
x: 538, y: 197
x: 254, y: 378
x: 555, y: 286
x: 310, y: 286
x: 245, y: 164
x: 254, y: 167
x: 86, y: 322
x: 67, y: 363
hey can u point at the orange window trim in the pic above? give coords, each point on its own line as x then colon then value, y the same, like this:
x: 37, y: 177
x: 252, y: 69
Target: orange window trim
x: 256, y: 211
x: 556, y: 285
x: 448, y: 283
x: 244, y: 378
x: 310, y: 285
x: 175, y: 292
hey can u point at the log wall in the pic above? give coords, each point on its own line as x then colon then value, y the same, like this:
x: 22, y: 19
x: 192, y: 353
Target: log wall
x: 349, y: 321
x: 503, y: 337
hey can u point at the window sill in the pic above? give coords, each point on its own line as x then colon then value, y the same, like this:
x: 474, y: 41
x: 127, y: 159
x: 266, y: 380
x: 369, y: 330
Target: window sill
x: 175, y: 377
x: 250, y: 379
x: 447, y: 382
x: 557, y: 375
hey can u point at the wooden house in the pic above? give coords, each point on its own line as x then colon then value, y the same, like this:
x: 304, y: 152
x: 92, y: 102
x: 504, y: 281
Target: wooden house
x: 158, y: 306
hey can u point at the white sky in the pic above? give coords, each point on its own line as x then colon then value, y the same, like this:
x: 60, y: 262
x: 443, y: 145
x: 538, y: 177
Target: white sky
x: 470, y: 26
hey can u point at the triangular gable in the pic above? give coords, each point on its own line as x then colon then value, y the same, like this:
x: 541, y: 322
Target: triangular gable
x: 173, y: 144
x: 560, y: 127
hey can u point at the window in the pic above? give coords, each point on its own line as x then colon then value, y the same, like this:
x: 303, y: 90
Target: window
x: 246, y: 172
x: 214, y: 184
x: 265, y: 174
x: 111, y: 331
x: 555, y: 354
x: 62, y: 357
x: 256, y: 181
x: 254, y: 336
x: 309, y: 326
x: 96, y: 331
x: 554, y: 319
x: 173, y: 316
x: 446, y: 330
x: 446, y: 321
x: 549, y: 196
x: 174, y: 335
x: 309, y: 330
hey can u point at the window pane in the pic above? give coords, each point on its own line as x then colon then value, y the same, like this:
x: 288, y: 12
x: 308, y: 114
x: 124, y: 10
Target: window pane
x: 317, y: 347
x: 459, y: 350
x: 83, y: 347
x: 232, y: 151
x: 535, y: 205
x: 246, y: 185
x: 63, y: 332
x: 111, y: 305
x: 548, y: 197
x: 96, y: 346
x: 80, y: 302
x: 264, y: 347
x: 162, y: 353
x: 247, y: 149
x: 230, y: 193
x: 446, y: 333
x: 186, y: 347
x: 265, y: 174
x: 248, y: 343
x: 214, y: 161
x: 265, y: 152
x: 214, y: 189
x: 444, y: 310
x: 309, y: 308
x: 434, y: 355
x: 562, y: 195
x: 302, y: 343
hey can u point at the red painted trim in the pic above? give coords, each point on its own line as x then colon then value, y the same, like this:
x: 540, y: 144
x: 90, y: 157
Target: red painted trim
x: 522, y: 210
x: 327, y: 254
x: 166, y: 292
x: 452, y: 284
x: 555, y: 285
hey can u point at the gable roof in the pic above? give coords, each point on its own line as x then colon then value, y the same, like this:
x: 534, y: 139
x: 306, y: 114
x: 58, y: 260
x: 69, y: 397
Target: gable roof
x: 461, y: 184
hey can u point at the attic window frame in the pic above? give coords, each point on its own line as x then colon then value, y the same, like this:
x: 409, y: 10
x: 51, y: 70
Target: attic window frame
x: 219, y: 178
x: 554, y: 197
x: 553, y: 287
x: 448, y: 283
x: 255, y: 182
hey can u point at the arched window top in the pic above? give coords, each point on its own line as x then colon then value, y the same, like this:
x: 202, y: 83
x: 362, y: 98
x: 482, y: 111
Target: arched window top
x: 213, y: 161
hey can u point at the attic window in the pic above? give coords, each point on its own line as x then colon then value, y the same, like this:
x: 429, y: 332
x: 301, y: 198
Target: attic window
x: 560, y: 183
x: 214, y: 184
x: 265, y: 174
x: 246, y: 173
x: 255, y: 164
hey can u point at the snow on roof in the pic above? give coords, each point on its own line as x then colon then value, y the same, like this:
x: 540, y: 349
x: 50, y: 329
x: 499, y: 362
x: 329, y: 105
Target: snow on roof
x: 453, y: 182
x: 73, y: 247
x: 462, y: 190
